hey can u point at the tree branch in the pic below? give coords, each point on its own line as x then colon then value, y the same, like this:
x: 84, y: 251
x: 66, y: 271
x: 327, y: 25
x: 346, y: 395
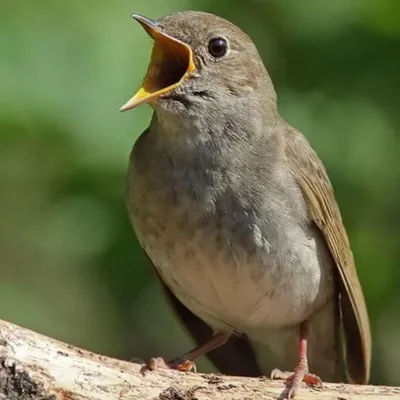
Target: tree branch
x: 35, y: 367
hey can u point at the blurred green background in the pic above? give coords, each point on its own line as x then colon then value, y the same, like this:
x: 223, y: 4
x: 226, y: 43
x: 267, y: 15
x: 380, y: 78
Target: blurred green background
x: 70, y: 266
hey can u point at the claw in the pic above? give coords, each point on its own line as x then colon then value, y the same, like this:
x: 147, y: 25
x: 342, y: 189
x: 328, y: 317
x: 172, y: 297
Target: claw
x: 183, y: 365
x: 294, y: 380
x: 300, y: 374
x: 278, y: 374
x: 160, y: 363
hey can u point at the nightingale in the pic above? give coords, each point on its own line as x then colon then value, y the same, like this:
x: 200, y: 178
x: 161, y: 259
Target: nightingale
x: 237, y: 215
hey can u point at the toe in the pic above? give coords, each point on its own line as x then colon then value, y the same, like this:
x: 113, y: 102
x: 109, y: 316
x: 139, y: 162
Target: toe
x: 294, y: 380
x: 292, y: 392
x: 183, y: 365
x: 186, y: 366
x: 160, y: 363
x: 283, y: 375
x: 313, y: 380
x: 152, y: 364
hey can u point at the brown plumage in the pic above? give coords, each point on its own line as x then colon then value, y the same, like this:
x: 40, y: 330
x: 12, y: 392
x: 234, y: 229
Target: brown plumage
x: 237, y: 215
x: 318, y: 192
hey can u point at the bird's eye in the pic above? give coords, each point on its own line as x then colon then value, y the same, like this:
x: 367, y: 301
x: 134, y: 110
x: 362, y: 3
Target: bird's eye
x: 218, y: 47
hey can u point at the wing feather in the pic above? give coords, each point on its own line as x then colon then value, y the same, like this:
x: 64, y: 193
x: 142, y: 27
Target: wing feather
x: 318, y: 192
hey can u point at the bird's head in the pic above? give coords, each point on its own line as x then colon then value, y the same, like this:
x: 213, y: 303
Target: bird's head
x: 202, y: 63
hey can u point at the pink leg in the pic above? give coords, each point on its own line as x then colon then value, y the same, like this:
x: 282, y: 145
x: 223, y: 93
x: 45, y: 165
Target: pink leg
x: 300, y: 373
x: 186, y: 362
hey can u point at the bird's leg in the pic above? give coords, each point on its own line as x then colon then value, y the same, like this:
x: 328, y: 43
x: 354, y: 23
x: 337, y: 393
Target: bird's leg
x: 186, y: 362
x: 300, y: 373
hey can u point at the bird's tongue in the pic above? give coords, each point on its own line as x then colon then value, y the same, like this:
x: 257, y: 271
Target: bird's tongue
x: 171, y: 61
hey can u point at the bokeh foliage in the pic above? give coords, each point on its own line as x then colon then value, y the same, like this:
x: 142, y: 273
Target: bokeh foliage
x: 70, y: 265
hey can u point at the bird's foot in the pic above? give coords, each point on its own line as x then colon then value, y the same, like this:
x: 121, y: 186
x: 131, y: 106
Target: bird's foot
x: 294, y: 379
x: 178, y: 364
x: 186, y: 362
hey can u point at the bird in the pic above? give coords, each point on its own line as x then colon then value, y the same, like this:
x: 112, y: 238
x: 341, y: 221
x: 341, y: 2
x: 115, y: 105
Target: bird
x: 237, y: 216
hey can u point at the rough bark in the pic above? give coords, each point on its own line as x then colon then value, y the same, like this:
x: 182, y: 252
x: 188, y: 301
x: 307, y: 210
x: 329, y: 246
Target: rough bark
x: 35, y: 367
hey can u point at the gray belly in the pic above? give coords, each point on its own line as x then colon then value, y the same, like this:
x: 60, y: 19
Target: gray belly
x: 235, y: 273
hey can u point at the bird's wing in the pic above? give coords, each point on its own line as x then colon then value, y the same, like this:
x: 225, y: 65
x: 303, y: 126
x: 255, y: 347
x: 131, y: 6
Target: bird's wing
x: 313, y: 180
x: 236, y: 357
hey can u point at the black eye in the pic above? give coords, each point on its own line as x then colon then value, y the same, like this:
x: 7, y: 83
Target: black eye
x: 218, y: 47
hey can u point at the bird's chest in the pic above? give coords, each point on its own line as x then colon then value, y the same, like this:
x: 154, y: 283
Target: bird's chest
x: 221, y: 262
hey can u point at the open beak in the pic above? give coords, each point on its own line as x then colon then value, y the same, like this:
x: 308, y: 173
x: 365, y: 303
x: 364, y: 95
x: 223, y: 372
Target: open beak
x: 171, y: 62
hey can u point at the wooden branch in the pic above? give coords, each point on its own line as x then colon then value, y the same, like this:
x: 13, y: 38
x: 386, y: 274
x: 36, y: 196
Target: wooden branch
x: 35, y: 367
